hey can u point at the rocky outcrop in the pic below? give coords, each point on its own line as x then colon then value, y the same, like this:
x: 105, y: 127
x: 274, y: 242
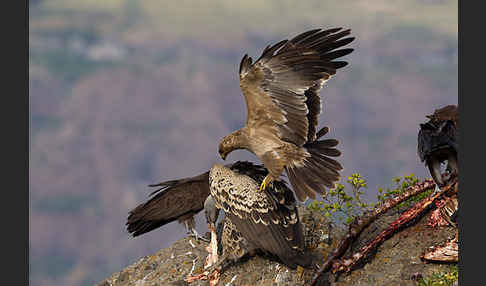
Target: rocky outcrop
x: 395, y: 262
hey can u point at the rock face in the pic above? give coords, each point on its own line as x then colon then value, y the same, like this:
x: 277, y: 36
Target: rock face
x: 394, y: 263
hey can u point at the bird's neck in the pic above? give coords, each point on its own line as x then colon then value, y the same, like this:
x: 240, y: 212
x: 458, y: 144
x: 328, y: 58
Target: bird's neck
x: 240, y: 139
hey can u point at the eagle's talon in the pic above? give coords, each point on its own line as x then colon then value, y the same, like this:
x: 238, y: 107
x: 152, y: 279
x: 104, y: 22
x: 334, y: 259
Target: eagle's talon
x: 262, y: 187
x: 265, y: 183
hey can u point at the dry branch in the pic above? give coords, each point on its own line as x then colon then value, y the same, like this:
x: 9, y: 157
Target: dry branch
x: 359, y: 223
x: 345, y: 265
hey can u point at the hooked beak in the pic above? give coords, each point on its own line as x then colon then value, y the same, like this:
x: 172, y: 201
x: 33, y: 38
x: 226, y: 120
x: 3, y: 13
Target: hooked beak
x: 223, y: 156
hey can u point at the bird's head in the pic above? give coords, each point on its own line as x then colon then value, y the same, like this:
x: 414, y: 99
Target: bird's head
x: 224, y: 149
x: 228, y: 144
x: 211, y: 212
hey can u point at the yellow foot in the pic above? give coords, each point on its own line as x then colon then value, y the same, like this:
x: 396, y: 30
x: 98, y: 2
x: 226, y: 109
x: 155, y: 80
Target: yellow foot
x: 265, y: 183
x: 300, y: 271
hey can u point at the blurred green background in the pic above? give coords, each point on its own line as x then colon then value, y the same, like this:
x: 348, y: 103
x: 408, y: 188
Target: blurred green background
x: 127, y: 93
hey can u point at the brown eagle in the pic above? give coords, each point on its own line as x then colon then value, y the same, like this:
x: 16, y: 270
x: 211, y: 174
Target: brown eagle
x: 438, y: 142
x: 266, y: 221
x: 281, y: 93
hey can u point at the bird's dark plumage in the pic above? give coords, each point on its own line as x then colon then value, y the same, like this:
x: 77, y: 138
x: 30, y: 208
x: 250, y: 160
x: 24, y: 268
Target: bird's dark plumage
x: 173, y: 200
x: 438, y: 141
x: 436, y: 136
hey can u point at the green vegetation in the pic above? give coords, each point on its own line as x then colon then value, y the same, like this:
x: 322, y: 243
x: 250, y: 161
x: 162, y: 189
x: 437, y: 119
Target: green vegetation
x: 447, y: 278
x: 401, y: 184
x: 343, y: 208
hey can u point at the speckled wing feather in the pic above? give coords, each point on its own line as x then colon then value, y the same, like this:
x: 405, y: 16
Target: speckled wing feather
x: 235, y: 193
x: 174, y: 200
x: 268, y: 220
x: 233, y: 243
x: 281, y: 87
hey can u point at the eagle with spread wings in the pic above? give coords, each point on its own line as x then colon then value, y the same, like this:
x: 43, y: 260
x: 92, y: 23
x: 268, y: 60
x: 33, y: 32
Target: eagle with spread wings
x: 281, y: 93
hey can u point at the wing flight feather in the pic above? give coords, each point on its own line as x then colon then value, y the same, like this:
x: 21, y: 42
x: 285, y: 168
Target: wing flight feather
x: 281, y: 87
x: 173, y: 200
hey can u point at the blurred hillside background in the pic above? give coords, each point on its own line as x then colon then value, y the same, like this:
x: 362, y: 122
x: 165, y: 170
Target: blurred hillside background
x: 127, y: 93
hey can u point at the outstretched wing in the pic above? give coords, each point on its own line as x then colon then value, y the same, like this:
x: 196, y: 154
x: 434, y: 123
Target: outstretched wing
x: 268, y: 220
x: 281, y: 87
x: 176, y: 199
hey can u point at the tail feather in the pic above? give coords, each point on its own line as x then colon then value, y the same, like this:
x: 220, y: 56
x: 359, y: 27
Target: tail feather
x: 318, y: 171
x: 323, y: 166
x: 302, y: 190
x: 311, y: 183
x: 333, y: 152
x: 327, y: 143
x: 328, y: 162
x: 324, y: 130
x: 327, y: 176
x: 314, y: 173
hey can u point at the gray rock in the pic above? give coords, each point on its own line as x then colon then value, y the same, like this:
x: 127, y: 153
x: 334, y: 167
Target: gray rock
x: 395, y: 262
